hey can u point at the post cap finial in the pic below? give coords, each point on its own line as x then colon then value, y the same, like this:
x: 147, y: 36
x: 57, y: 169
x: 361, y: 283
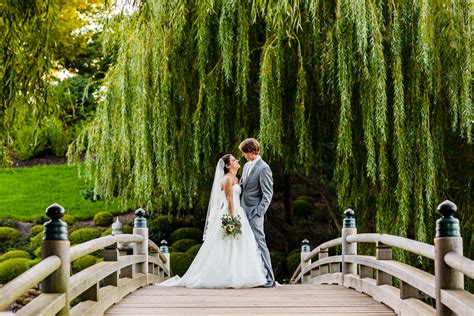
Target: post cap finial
x: 349, y: 221
x: 447, y: 208
x: 140, y: 220
x: 55, y: 229
x: 55, y: 211
x: 447, y: 226
x: 305, y: 247
x: 164, y: 246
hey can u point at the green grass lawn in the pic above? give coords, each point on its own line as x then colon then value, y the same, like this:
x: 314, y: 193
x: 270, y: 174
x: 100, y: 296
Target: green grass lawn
x: 25, y: 193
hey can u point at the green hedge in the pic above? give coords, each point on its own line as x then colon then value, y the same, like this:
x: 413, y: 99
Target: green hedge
x: 193, y: 250
x: 9, y: 234
x: 306, y: 198
x: 15, y: 254
x: 35, y: 230
x: 182, y: 245
x: 103, y: 219
x: 186, y: 233
x: 84, y: 234
x: 162, y: 226
x: 83, y: 263
x: 69, y: 220
x: 12, y: 268
x: 180, y: 262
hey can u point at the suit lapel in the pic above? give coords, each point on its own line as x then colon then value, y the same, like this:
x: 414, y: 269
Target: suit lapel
x: 252, y: 173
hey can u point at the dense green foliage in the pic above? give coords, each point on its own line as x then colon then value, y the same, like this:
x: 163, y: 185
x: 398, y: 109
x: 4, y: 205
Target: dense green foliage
x: 302, y: 208
x: 182, y: 245
x: 43, y: 186
x: 193, y: 250
x: 368, y: 83
x: 9, y: 234
x: 83, y: 263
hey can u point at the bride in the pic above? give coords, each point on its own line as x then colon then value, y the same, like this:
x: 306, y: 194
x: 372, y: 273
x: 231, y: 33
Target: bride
x: 224, y: 261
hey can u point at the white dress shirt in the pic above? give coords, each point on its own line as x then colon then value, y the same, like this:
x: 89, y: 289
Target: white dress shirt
x: 252, y: 164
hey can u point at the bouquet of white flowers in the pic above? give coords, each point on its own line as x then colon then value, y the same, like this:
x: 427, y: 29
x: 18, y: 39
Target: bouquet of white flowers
x: 231, y: 225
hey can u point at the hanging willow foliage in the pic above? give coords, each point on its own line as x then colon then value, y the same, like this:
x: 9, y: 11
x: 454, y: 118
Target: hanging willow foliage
x: 26, y: 29
x: 385, y: 84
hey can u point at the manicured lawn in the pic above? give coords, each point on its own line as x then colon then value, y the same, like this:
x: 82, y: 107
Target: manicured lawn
x: 25, y: 193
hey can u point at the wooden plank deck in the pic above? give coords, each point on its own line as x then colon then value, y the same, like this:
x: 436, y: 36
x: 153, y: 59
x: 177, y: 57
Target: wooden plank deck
x: 282, y: 300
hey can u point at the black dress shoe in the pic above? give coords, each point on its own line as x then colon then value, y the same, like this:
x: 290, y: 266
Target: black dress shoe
x: 268, y: 285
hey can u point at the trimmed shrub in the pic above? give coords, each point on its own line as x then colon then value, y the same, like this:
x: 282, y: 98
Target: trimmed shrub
x: 37, y: 240
x: 106, y: 232
x: 306, y: 198
x: 12, y: 268
x: 8, y: 222
x: 193, y: 250
x: 180, y: 262
x: 161, y: 227
x: 302, y: 208
x: 127, y: 229
x: 186, y: 233
x: 292, y: 262
x: 9, y: 234
x: 9, y: 238
x: 15, y: 254
x: 297, y: 250
x: 278, y: 262
x: 83, y: 263
x: 35, y: 230
x: 84, y: 234
x: 69, y: 220
x: 182, y: 245
x: 103, y: 219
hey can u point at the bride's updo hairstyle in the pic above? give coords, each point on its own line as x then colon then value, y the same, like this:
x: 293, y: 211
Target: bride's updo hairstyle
x: 250, y: 145
x: 226, y: 160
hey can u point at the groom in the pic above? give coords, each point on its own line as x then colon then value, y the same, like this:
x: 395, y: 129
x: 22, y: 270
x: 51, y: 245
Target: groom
x: 257, y: 192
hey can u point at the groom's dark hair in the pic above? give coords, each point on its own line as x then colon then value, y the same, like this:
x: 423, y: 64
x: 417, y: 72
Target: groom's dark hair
x: 250, y: 145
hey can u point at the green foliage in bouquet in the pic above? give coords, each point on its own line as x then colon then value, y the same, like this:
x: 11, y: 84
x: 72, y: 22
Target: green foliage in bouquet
x: 231, y: 225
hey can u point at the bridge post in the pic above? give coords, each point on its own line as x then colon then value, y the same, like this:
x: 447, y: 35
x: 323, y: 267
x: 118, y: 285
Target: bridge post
x: 348, y: 228
x: 166, y: 252
x: 383, y: 252
x: 447, y: 239
x: 56, y: 242
x: 305, y: 249
x: 140, y: 228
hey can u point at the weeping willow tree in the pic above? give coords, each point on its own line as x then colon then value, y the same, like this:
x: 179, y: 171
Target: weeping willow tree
x: 385, y: 84
x: 26, y: 49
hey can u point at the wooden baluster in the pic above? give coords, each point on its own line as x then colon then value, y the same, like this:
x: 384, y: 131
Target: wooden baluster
x: 323, y: 269
x: 348, y: 228
x: 448, y: 239
x: 111, y: 254
x: 55, y: 242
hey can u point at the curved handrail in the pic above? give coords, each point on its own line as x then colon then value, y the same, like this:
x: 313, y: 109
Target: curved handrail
x: 13, y: 289
x: 325, y: 245
x: 154, y: 247
x: 403, y: 243
x: 95, y: 244
x: 460, y: 263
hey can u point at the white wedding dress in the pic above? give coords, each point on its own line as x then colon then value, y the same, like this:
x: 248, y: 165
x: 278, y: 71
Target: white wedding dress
x: 225, y: 262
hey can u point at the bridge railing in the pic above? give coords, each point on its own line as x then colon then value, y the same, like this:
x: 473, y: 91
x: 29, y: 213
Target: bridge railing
x: 96, y: 288
x: 374, y: 275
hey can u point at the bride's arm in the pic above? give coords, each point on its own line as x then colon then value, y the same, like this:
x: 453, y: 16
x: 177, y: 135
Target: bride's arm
x: 229, y: 194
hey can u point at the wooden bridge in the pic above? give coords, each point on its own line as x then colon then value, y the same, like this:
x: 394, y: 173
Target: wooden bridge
x: 124, y: 283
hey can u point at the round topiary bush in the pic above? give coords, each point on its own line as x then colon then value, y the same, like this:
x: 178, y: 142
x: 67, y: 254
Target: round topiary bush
x: 193, y: 250
x: 15, y: 254
x: 302, y: 208
x: 186, y: 233
x: 83, y: 263
x: 9, y: 234
x: 37, y: 240
x: 69, y: 219
x: 12, y: 268
x: 306, y: 198
x: 103, y: 219
x: 161, y: 227
x: 292, y: 262
x: 84, y: 234
x: 180, y: 262
x: 35, y: 230
x: 182, y: 245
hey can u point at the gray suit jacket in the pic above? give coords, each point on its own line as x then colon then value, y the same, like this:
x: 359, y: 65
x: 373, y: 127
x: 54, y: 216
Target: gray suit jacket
x: 257, y: 189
